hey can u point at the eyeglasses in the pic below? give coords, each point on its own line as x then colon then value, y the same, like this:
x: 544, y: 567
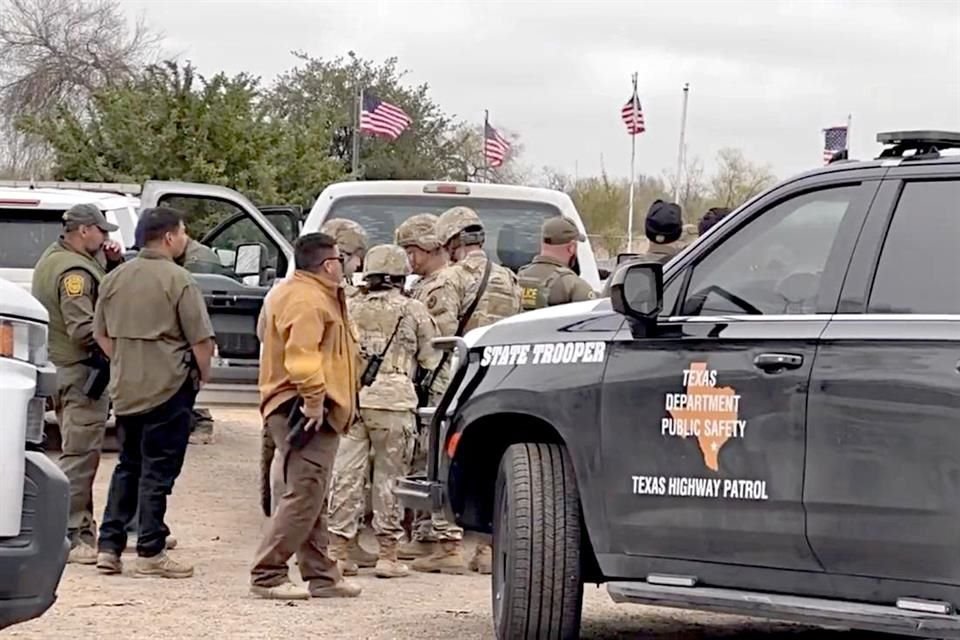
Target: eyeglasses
x: 339, y: 259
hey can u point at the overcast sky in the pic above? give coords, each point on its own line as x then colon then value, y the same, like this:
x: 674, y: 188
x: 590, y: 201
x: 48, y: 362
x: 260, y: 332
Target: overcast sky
x: 765, y: 76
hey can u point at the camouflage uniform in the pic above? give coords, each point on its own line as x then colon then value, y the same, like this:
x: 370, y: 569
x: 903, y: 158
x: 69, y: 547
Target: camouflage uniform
x: 352, y: 241
x: 447, y: 297
x: 67, y: 282
x: 386, y: 427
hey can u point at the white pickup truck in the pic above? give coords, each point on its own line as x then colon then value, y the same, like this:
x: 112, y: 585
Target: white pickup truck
x: 34, y: 492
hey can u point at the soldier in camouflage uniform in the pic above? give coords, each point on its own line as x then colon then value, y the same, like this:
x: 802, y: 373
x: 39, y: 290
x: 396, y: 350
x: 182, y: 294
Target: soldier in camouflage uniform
x: 352, y: 241
x: 398, y: 329
x: 418, y: 236
x: 66, y: 281
x: 448, y: 296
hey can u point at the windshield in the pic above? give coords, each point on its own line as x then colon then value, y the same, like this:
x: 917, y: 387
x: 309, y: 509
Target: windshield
x: 512, y: 226
x: 25, y: 234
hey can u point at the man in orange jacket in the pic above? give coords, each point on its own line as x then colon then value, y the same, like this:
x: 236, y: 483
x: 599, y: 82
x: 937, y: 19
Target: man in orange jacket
x: 309, y: 353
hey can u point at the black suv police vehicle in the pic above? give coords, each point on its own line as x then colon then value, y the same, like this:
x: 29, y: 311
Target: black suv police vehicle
x: 768, y: 426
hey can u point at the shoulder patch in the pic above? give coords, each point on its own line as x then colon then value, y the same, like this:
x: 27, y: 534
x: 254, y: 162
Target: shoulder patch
x: 591, y: 295
x: 432, y: 302
x: 73, y: 285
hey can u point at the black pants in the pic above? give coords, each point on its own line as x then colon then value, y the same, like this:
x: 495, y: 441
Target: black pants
x: 152, y: 448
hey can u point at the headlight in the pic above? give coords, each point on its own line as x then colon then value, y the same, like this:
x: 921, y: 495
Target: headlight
x: 22, y: 340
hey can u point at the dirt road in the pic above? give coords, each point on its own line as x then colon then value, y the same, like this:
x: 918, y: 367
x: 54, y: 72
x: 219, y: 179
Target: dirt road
x: 215, y: 515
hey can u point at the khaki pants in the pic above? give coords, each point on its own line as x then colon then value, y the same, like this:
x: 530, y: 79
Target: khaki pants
x: 299, y: 523
x: 83, y: 422
x: 389, y: 435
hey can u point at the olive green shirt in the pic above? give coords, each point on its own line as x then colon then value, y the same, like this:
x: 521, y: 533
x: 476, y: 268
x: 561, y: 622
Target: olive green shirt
x: 549, y: 279
x: 154, y: 312
x: 66, y: 281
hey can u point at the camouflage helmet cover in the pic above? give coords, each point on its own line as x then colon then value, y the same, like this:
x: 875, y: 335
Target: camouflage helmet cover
x: 418, y: 231
x: 350, y: 236
x: 453, y: 222
x: 388, y: 260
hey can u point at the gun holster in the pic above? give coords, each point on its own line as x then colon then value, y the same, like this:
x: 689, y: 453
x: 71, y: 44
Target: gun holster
x: 98, y: 377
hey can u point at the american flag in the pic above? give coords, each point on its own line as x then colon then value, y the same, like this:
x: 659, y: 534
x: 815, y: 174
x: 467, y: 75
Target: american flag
x: 381, y: 118
x: 495, y: 146
x: 834, y: 141
x: 632, y: 115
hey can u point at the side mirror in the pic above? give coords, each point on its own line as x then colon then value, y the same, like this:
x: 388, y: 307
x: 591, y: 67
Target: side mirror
x: 251, y: 260
x: 637, y: 290
x: 604, y: 273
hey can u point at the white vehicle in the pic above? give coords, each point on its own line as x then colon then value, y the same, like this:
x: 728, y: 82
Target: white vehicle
x: 34, y: 492
x: 30, y: 219
x: 512, y: 215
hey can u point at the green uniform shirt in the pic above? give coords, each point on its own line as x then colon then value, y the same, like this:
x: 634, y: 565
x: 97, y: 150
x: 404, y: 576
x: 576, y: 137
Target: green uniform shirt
x: 547, y: 281
x: 153, y: 311
x: 66, y: 283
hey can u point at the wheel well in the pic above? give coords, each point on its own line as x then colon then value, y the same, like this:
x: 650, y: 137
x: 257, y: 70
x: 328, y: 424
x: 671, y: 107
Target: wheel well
x: 474, y: 470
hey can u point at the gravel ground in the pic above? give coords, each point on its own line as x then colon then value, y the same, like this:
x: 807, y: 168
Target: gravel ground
x: 215, y: 515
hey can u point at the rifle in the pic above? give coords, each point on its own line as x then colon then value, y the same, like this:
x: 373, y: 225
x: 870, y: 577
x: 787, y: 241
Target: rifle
x: 99, y: 376
x: 425, y: 378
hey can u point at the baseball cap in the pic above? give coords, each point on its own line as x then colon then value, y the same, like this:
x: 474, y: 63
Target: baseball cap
x: 88, y: 214
x: 560, y: 230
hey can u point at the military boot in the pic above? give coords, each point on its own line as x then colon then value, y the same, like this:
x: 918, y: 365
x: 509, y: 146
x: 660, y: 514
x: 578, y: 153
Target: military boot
x: 109, y: 564
x: 416, y: 549
x: 360, y: 556
x: 448, y: 559
x: 388, y: 565
x: 82, y: 553
x: 283, y: 591
x: 339, y: 551
x: 162, y: 566
x: 482, y: 561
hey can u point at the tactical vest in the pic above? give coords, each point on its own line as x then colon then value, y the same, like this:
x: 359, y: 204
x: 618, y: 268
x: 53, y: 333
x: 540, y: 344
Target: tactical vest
x: 535, y: 285
x: 54, y: 262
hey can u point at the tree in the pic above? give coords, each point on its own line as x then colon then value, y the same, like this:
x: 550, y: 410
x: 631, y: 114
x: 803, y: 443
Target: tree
x: 467, y: 160
x: 736, y: 179
x: 324, y: 92
x: 54, y: 54
x: 174, y: 124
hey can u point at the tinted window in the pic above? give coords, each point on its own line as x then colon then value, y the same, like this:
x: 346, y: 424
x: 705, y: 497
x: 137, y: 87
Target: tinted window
x: 25, y: 234
x: 772, y: 265
x: 512, y: 227
x: 919, y: 269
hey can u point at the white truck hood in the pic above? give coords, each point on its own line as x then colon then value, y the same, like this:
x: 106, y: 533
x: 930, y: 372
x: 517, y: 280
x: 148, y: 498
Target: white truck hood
x: 16, y: 301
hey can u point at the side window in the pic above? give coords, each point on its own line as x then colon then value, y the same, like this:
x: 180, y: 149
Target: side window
x: 241, y: 230
x: 773, y: 265
x: 919, y: 268
x: 670, y: 294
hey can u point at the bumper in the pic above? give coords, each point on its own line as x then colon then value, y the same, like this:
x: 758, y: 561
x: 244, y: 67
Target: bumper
x: 32, y: 562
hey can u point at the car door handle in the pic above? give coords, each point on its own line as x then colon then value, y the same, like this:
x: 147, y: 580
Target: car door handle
x: 778, y: 361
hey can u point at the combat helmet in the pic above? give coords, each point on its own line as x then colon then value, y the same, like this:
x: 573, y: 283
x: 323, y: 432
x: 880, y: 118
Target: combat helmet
x: 387, y: 260
x: 350, y: 236
x: 456, y: 222
x: 418, y: 231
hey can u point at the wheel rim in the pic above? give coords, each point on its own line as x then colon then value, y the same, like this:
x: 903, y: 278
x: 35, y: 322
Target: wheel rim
x: 501, y: 535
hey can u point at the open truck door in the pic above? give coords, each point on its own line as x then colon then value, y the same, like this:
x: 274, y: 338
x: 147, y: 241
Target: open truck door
x: 234, y: 296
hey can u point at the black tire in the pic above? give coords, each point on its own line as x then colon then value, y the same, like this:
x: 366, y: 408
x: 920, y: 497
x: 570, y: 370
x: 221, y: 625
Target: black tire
x: 537, y: 586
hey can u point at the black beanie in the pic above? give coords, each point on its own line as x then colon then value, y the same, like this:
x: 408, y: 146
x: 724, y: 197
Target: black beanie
x: 664, y: 222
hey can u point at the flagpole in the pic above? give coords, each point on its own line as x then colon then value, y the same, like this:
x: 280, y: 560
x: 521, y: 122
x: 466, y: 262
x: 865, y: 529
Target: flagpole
x: 680, y: 151
x: 849, y: 125
x: 355, y: 159
x: 486, y: 166
x: 633, y: 173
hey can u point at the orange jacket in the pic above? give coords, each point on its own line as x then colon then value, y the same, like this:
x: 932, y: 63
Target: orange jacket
x: 309, y: 350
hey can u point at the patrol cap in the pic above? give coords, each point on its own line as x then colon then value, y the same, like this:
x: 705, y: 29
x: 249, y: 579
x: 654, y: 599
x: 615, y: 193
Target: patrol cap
x: 418, y: 231
x: 350, y: 236
x: 560, y: 230
x: 455, y: 221
x: 387, y: 260
x: 89, y: 215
